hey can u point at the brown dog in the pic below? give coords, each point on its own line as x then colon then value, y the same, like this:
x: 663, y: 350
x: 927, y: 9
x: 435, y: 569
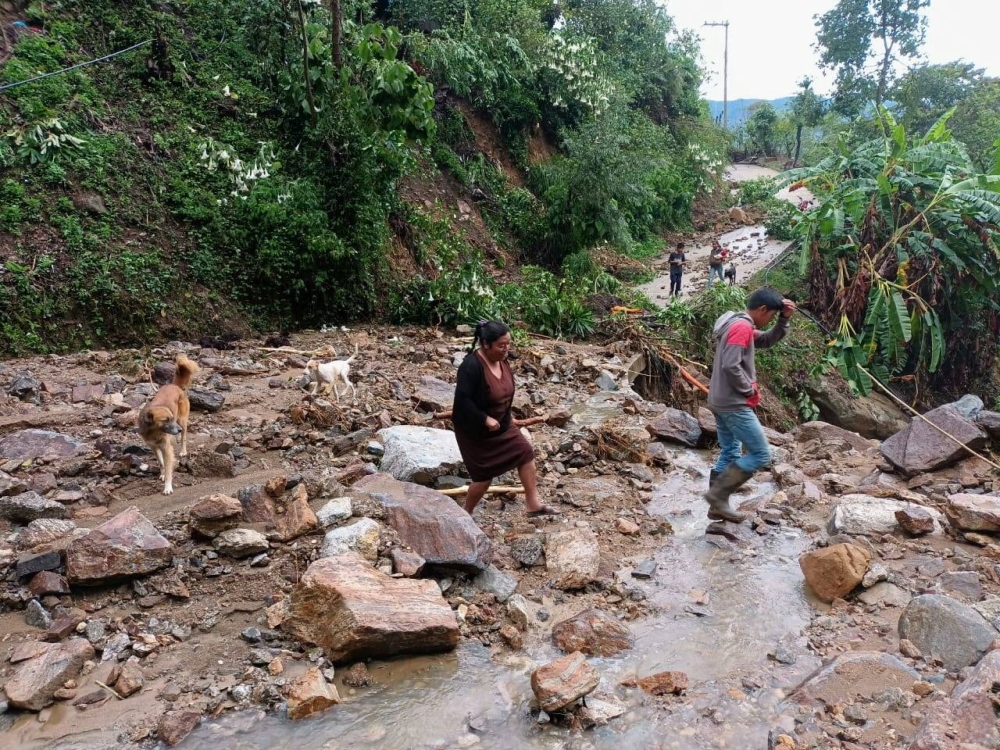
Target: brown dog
x: 166, y: 415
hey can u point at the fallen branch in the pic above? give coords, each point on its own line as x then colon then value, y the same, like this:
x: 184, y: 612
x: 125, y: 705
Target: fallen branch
x: 685, y: 374
x: 515, y: 422
x: 497, y: 490
x: 227, y: 370
x: 111, y: 689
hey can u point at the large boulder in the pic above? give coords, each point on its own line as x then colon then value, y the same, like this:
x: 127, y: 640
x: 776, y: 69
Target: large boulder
x: 974, y: 512
x: 36, y: 680
x: 362, y: 537
x: 419, y: 454
x: 920, y: 448
x: 861, y: 515
x: 353, y: 612
x: 564, y: 681
x: 35, y: 445
x: 30, y: 506
x: 833, y: 572
x: 592, y: 632
x: 943, y: 627
x: 431, y: 524
x: 128, y: 545
x: 433, y: 394
x: 852, y: 676
x: 676, y: 426
x: 967, y: 718
x: 872, y: 416
x: 572, y: 557
x: 281, y: 515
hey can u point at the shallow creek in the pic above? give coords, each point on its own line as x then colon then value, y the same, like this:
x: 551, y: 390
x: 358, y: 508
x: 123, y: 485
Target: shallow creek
x: 722, y: 608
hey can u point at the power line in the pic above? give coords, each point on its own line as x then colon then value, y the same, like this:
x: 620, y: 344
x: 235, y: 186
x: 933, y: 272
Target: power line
x: 74, y: 67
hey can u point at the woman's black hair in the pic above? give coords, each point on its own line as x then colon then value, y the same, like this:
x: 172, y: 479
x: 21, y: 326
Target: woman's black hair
x: 488, y: 331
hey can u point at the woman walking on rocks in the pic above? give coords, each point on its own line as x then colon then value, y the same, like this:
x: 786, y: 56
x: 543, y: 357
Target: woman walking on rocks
x: 489, y: 442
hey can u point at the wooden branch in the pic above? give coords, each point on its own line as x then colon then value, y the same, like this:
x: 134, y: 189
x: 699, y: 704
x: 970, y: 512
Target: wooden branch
x: 227, y: 370
x: 496, y: 490
x: 516, y: 422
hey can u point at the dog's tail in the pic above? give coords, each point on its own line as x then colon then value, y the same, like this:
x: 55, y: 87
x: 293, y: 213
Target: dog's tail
x: 186, y: 370
x: 351, y: 358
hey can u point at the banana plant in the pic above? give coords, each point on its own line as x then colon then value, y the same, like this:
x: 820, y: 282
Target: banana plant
x: 903, y: 260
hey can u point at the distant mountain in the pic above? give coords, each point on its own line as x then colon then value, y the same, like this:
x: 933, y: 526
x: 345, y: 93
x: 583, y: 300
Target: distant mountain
x: 739, y: 109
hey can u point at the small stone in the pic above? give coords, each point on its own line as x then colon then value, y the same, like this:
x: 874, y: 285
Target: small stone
x: 240, y: 543
x: 833, y: 572
x: 176, y: 725
x: 130, y: 679
x: 665, y: 683
x: 527, y: 549
x: 335, y: 512
x: 907, y: 649
x: 876, y: 572
x: 358, y: 676
x: 592, y: 632
x: 310, y: 693
x: 407, y: 564
x: 517, y: 611
x: 47, y: 582
x: 495, y: 582
x: 915, y: 521
x: 627, y: 527
x: 275, y: 667
x: 644, y: 570
x: 36, y: 615
x: 563, y: 682
x: 43, y: 561
x: 512, y: 637
x: 251, y: 635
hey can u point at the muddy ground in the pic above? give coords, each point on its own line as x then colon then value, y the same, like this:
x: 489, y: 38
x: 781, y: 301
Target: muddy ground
x: 193, y: 643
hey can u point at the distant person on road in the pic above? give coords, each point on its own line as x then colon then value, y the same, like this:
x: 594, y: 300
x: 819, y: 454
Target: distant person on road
x: 716, y: 260
x: 676, y: 260
x: 489, y: 442
x: 733, y: 394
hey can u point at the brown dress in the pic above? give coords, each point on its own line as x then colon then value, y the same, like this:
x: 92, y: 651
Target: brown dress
x: 499, y: 453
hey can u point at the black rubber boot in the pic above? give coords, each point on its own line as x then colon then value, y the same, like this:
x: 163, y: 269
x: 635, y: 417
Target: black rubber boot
x: 712, y: 476
x: 718, y: 494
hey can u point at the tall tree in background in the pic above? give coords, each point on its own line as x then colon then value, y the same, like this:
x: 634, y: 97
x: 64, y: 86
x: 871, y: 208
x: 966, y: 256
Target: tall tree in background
x: 862, y: 40
x: 761, y: 128
x: 806, y: 112
x: 926, y: 92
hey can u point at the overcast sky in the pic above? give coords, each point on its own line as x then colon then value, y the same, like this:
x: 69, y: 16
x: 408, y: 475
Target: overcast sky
x: 770, y: 41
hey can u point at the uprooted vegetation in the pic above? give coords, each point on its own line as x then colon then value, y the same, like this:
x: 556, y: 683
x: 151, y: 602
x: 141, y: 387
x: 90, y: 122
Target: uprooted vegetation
x: 218, y: 179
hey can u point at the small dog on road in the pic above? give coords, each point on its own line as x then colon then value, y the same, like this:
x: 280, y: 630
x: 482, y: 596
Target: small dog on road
x: 327, y: 374
x: 730, y: 274
x: 166, y: 415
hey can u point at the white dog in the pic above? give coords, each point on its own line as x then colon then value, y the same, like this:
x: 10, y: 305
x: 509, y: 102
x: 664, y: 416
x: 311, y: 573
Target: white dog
x: 326, y: 374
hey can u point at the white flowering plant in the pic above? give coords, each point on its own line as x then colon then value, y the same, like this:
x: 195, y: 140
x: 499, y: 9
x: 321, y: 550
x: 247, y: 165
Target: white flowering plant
x: 215, y: 156
x: 572, y: 74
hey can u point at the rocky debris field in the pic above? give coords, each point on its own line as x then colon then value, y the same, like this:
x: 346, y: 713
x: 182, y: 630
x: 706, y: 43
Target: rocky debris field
x: 306, y: 538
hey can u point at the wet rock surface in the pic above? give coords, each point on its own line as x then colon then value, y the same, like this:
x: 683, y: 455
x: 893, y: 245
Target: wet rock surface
x: 592, y: 632
x: 341, y: 604
x: 564, y: 681
x: 948, y: 629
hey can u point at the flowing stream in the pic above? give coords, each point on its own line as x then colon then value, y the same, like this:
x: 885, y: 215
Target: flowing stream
x: 722, y: 608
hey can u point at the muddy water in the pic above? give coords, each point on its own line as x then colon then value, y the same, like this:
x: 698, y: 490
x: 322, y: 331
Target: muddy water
x: 723, y: 607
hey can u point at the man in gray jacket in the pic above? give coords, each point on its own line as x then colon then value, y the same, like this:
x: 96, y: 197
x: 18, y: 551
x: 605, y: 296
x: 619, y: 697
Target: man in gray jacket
x: 733, y: 394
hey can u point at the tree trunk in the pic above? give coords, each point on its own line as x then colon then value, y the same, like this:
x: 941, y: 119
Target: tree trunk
x: 798, y: 144
x: 305, y: 65
x: 336, y: 34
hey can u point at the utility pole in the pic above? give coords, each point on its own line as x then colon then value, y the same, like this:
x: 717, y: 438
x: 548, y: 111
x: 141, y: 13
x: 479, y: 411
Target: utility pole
x: 725, y: 72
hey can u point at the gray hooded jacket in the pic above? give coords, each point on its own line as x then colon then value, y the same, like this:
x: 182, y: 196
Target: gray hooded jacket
x: 734, y: 375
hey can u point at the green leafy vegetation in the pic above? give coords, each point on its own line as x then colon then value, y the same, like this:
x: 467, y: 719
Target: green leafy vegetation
x: 903, y: 260
x: 246, y: 167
